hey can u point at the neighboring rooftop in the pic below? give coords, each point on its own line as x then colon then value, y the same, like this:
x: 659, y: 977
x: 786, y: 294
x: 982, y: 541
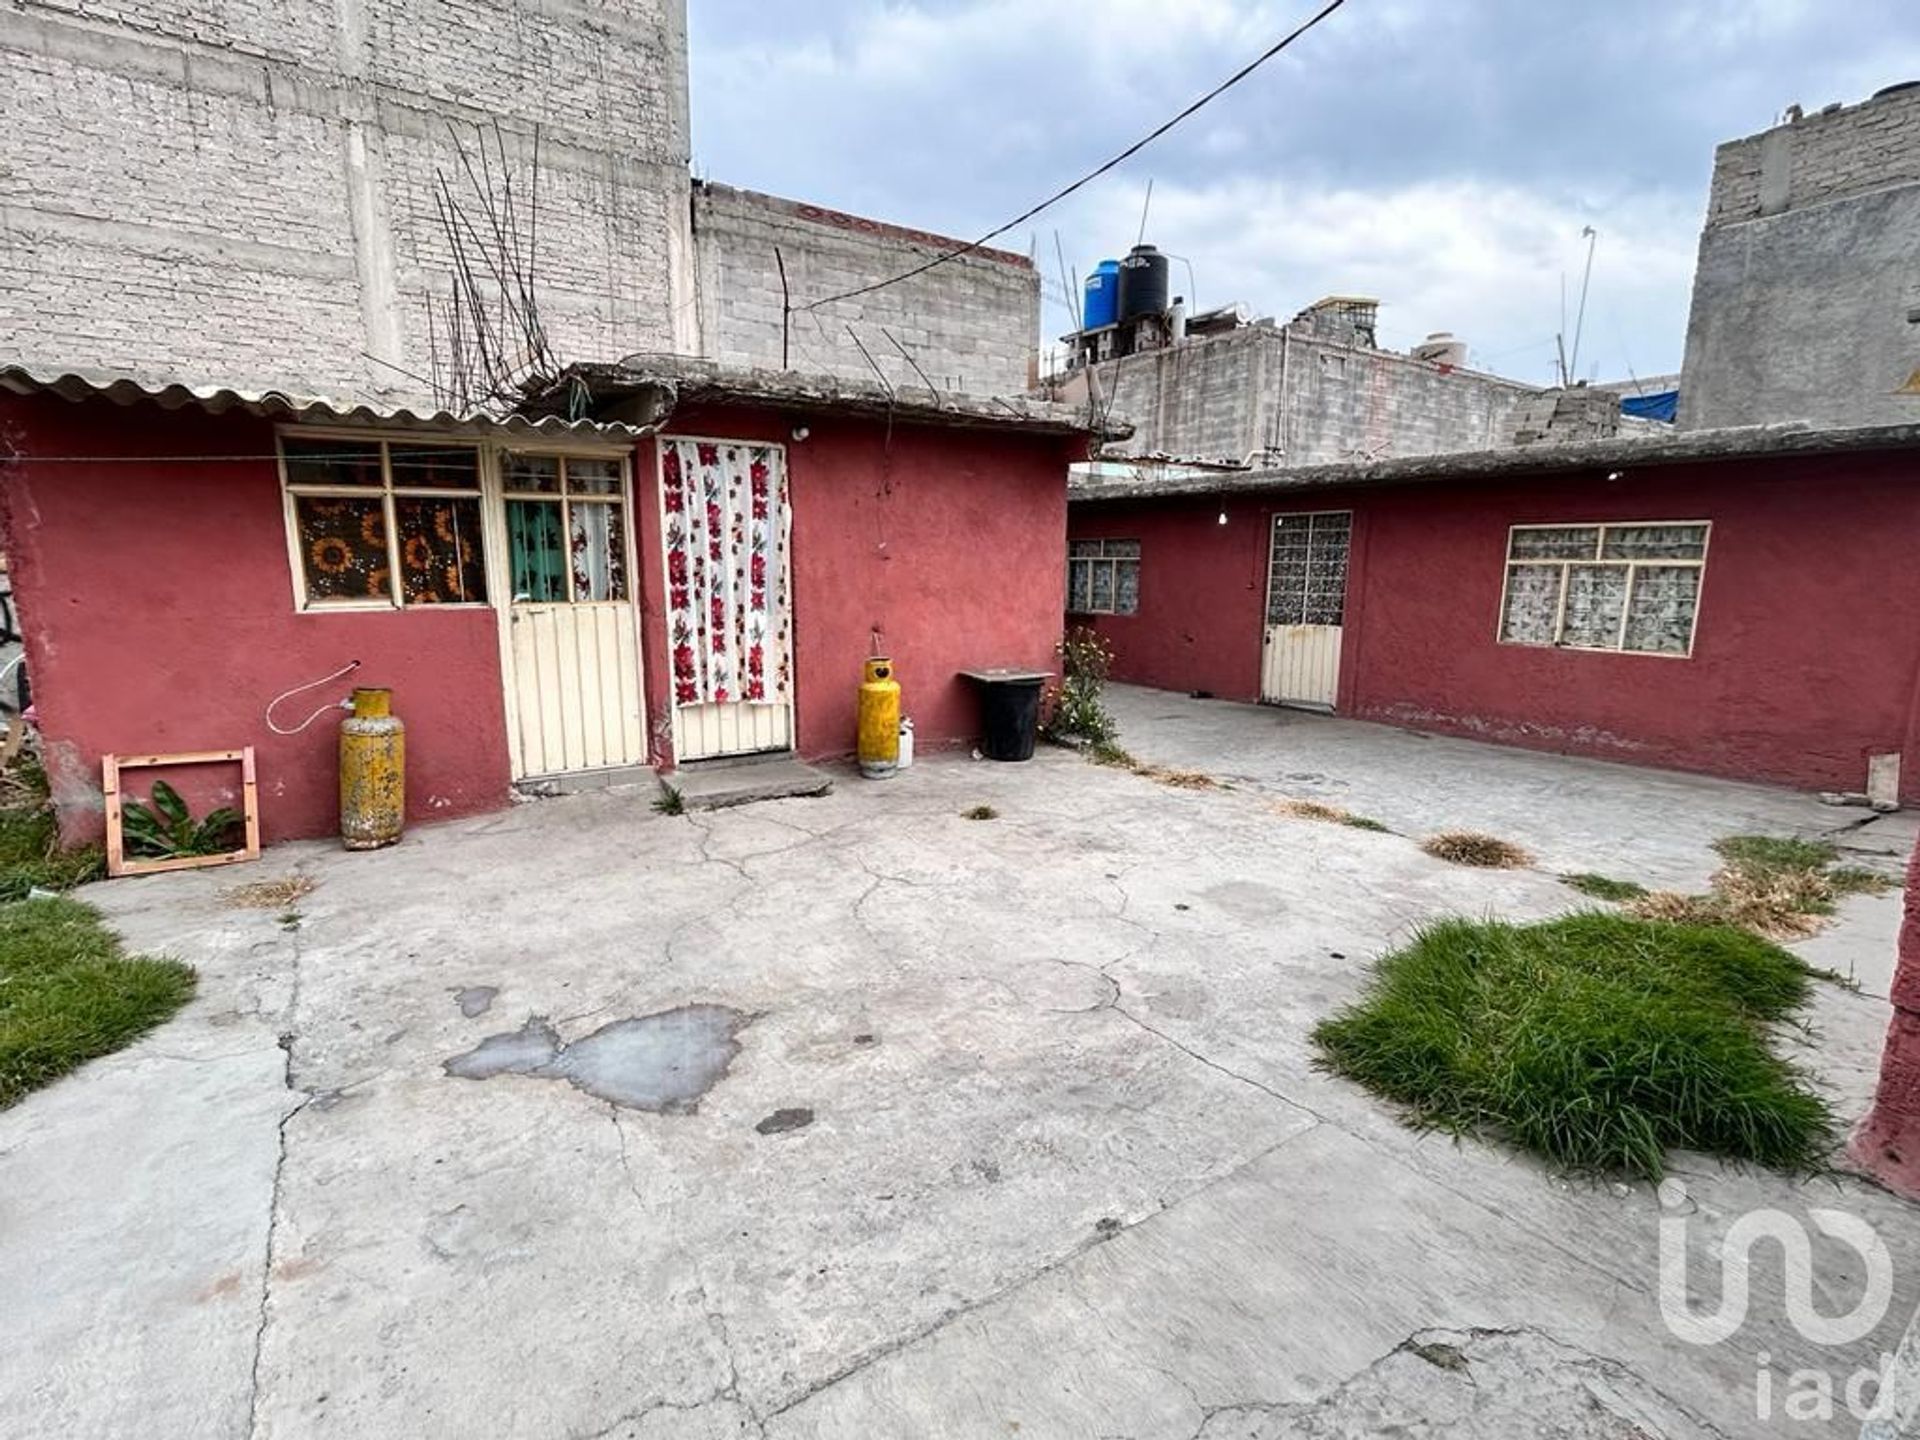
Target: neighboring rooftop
x: 1671, y: 447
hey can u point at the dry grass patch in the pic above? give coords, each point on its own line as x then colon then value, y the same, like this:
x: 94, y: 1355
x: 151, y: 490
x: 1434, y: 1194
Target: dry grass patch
x: 1780, y: 889
x: 267, y: 894
x: 1471, y: 847
x: 1313, y: 810
x: 1178, y: 779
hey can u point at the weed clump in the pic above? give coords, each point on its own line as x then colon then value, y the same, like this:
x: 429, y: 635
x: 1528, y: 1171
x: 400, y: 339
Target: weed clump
x: 1470, y: 847
x: 1604, y: 887
x: 1596, y: 1040
x: 1075, y: 705
x: 980, y: 812
x: 1781, y: 888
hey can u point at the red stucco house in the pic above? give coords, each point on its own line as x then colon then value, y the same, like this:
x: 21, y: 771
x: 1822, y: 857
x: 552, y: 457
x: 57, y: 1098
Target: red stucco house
x: 646, y: 569
x: 1736, y: 602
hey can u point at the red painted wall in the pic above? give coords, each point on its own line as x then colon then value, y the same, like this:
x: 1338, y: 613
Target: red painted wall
x: 1202, y: 593
x: 1802, y: 663
x: 1886, y: 1143
x: 159, y: 608
x: 946, y: 540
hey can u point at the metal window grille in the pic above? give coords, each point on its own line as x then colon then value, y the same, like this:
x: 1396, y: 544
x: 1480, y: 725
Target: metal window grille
x: 1631, y: 587
x: 1103, y: 577
x: 1307, y: 573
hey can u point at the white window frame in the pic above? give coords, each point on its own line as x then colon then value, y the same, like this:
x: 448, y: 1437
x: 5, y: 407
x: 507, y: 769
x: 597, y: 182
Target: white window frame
x: 564, y: 498
x: 384, y: 439
x: 1112, y: 562
x: 1632, y: 567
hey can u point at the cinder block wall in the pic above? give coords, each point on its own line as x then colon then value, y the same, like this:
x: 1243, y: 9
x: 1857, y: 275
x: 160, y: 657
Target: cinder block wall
x: 1809, y: 268
x: 224, y: 191
x: 971, y: 324
x: 1256, y: 393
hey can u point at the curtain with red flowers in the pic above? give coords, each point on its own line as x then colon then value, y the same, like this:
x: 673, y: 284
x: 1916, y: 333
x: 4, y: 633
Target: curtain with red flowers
x: 726, y: 533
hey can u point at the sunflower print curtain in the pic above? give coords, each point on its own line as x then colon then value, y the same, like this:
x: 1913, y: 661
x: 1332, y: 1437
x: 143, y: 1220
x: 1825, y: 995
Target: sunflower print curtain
x: 727, y: 608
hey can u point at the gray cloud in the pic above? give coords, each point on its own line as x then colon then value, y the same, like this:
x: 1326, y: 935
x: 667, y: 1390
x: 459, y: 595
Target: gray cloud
x: 1442, y: 154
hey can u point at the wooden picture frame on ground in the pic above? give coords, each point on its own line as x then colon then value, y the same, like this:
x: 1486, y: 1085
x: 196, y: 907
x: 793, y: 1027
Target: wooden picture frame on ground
x: 112, y: 767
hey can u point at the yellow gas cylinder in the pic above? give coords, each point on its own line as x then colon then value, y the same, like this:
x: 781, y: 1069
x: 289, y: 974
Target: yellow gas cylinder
x: 373, y: 772
x: 879, y: 748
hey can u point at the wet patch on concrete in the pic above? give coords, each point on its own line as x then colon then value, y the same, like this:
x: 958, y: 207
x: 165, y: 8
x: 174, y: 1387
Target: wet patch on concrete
x: 526, y: 1051
x: 663, y: 1062
x: 475, y: 1000
x: 796, y: 1117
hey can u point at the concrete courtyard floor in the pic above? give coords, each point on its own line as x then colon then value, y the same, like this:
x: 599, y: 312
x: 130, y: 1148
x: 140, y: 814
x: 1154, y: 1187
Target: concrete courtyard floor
x: 1070, y: 1169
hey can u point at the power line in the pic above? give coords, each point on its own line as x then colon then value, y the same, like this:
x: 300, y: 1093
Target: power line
x: 1094, y: 174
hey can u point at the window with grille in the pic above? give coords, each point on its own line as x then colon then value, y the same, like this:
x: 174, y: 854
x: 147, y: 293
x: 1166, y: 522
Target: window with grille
x: 1103, y: 577
x: 383, y: 522
x: 1633, y: 588
x: 1307, y: 579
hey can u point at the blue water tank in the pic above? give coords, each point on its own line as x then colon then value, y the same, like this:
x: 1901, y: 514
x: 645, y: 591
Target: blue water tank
x: 1103, y: 296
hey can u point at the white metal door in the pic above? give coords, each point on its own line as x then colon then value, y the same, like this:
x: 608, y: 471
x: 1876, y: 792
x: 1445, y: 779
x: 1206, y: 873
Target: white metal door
x: 725, y: 527
x: 572, y: 652
x: 1306, y: 601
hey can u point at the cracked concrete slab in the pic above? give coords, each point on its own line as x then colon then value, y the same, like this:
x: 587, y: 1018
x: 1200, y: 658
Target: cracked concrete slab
x: 1070, y: 1165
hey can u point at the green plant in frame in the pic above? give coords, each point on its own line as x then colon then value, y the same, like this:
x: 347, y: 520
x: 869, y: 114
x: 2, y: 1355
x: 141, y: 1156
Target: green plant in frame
x: 164, y: 828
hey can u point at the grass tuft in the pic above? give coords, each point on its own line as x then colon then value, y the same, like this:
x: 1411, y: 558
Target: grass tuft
x: 1105, y: 752
x: 1773, y: 852
x: 1604, y: 887
x: 1178, y: 779
x: 1331, y: 814
x: 980, y: 812
x: 1470, y: 847
x: 68, y: 993
x: 1779, y: 888
x: 1595, y: 1040
x: 1313, y: 810
x: 669, y: 801
x: 30, y: 853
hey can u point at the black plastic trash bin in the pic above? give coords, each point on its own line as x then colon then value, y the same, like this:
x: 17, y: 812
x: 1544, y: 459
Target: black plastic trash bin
x: 1009, y: 711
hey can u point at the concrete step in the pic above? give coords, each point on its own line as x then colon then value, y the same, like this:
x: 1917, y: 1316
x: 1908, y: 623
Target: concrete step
x: 715, y: 785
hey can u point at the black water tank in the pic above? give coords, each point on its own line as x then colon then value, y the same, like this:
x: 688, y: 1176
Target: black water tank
x: 1143, y: 283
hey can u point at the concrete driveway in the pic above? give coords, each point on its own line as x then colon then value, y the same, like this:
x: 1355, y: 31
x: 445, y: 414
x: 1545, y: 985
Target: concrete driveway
x: 962, y: 1128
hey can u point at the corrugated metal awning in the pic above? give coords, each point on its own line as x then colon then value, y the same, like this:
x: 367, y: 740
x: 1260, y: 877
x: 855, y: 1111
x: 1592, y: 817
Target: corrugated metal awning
x: 279, y: 405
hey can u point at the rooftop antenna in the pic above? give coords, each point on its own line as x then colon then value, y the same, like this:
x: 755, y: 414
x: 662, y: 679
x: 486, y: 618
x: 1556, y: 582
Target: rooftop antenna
x: 1145, y: 206
x: 1580, y: 320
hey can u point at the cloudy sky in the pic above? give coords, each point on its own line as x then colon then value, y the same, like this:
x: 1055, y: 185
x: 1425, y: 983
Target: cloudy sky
x: 1442, y: 155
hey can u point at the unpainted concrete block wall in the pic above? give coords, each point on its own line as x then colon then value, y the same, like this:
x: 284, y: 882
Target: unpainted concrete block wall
x: 1260, y: 394
x: 972, y: 324
x: 1809, y: 271
x: 226, y: 192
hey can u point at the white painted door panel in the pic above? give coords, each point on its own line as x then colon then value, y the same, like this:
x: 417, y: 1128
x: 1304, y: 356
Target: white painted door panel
x: 1306, y: 603
x: 572, y: 643
x: 576, y: 688
x: 1301, y: 665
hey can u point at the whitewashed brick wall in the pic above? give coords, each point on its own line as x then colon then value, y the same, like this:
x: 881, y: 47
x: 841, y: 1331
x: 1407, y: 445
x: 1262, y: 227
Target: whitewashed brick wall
x: 1806, y: 298
x: 972, y: 324
x: 230, y: 192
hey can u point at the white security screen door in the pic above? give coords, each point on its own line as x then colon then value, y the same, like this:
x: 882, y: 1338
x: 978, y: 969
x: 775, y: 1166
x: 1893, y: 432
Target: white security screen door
x: 573, y: 653
x: 725, y: 523
x: 1306, y: 601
